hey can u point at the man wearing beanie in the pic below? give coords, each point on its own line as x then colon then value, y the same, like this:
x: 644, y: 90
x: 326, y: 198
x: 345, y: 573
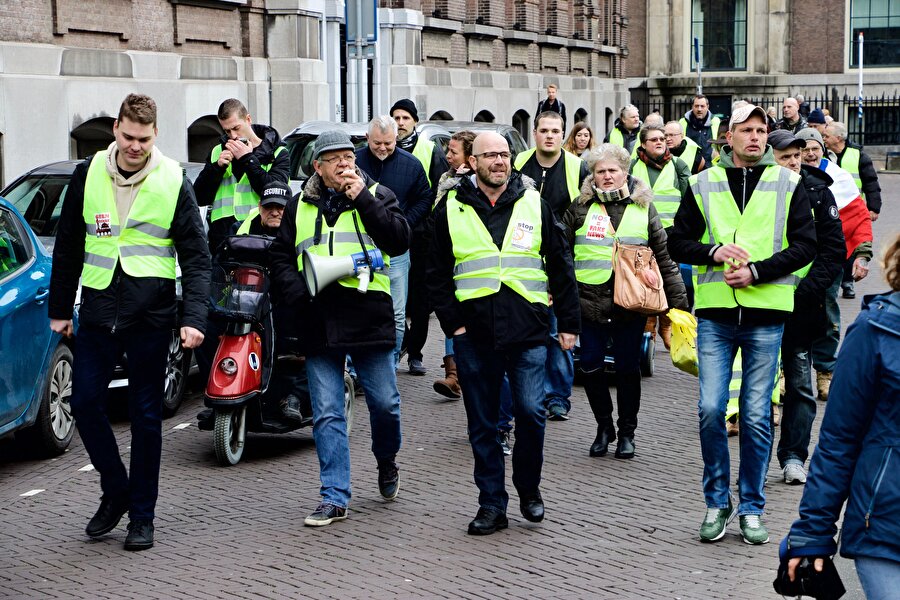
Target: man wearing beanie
x: 816, y: 120
x: 418, y: 307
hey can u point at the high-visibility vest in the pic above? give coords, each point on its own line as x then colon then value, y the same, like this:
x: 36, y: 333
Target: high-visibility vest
x: 244, y: 229
x: 594, y: 247
x: 616, y: 137
x: 690, y: 152
x: 666, y: 196
x: 340, y: 240
x: 572, y: 165
x: 235, y: 197
x: 713, y: 128
x: 143, y: 246
x: 850, y: 163
x: 761, y: 229
x: 481, y: 267
x: 423, y: 151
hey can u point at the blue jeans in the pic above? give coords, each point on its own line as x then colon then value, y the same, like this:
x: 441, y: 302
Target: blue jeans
x: 96, y: 354
x: 880, y: 577
x: 687, y: 272
x: 399, y: 276
x: 326, y: 389
x: 799, y: 406
x: 825, y: 349
x: 506, y: 406
x: 560, y: 371
x: 717, y: 344
x: 481, y: 369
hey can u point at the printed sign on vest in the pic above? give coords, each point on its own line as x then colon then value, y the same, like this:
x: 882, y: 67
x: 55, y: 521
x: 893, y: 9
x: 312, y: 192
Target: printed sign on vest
x: 598, y: 226
x: 103, y: 228
x: 522, y: 235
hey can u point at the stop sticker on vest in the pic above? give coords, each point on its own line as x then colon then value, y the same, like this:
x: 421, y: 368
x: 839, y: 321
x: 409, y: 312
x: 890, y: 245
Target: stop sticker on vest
x: 522, y: 235
x: 103, y: 228
x: 598, y: 227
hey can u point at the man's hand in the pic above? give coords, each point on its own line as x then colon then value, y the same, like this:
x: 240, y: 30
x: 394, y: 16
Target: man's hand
x: 190, y: 337
x: 566, y: 340
x: 459, y: 331
x: 818, y: 565
x: 873, y: 215
x: 62, y: 326
x: 738, y: 278
x: 238, y: 148
x: 860, y: 268
x: 731, y: 254
x: 225, y: 158
x: 350, y: 183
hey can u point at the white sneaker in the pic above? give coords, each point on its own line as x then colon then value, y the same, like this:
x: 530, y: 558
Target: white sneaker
x: 794, y: 474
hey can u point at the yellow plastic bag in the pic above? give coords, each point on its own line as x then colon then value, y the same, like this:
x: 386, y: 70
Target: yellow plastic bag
x: 684, y: 341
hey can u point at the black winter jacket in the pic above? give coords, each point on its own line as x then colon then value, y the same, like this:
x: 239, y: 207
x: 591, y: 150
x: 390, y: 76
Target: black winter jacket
x: 403, y: 174
x: 210, y: 178
x: 439, y: 164
x: 685, y: 246
x: 130, y: 303
x: 503, y: 319
x: 630, y: 137
x: 597, y: 300
x: 338, y: 318
x: 871, y: 189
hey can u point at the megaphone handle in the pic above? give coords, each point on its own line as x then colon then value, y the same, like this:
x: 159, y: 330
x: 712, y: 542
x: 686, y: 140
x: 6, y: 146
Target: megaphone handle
x: 364, y: 275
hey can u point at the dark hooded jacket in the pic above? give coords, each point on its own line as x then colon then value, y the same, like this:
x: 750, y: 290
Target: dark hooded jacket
x: 338, y: 318
x: 503, y: 319
x: 597, y: 300
x: 629, y: 137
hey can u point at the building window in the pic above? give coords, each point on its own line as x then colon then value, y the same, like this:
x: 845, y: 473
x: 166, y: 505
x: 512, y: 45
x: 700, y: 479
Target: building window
x: 879, y: 22
x: 721, y: 28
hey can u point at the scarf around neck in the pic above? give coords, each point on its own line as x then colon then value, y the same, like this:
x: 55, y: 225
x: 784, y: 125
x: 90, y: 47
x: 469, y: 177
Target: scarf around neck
x: 657, y: 163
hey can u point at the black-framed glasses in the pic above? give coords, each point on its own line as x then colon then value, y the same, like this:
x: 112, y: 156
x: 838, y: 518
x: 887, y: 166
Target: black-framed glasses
x: 337, y: 159
x: 492, y: 156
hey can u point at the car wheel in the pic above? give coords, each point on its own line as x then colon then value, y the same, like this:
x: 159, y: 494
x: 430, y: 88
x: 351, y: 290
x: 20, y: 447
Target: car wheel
x: 229, y: 435
x: 349, y: 393
x: 178, y: 364
x: 648, y: 355
x: 54, y: 428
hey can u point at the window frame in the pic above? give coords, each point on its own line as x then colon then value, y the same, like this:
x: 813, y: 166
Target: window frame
x: 748, y: 36
x: 851, y: 40
x: 9, y: 216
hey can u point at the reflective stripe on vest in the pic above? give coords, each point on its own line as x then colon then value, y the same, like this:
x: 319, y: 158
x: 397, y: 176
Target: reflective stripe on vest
x: 244, y: 229
x: 572, y: 165
x: 235, y: 198
x: 594, y: 254
x: 850, y: 163
x: 423, y: 151
x: 760, y: 229
x: 340, y: 240
x: 142, y: 246
x: 481, y: 267
x: 666, y: 196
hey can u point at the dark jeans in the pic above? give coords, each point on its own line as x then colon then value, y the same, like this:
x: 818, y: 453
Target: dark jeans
x: 96, y: 354
x: 481, y: 370
x: 418, y: 305
x: 824, y: 349
x: 626, y: 347
x: 799, y: 405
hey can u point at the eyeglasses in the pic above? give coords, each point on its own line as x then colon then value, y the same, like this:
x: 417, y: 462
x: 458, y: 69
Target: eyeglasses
x: 492, y: 156
x: 337, y: 159
x: 656, y: 139
x: 674, y: 135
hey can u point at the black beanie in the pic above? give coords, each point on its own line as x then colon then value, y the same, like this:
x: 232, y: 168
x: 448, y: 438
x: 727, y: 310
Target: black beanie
x: 407, y: 105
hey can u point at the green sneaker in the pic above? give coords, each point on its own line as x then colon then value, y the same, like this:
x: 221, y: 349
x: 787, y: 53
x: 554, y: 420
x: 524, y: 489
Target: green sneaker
x: 753, y: 531
x: 713, y: 527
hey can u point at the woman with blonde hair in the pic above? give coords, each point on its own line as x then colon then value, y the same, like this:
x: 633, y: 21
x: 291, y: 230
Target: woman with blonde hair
x: 581, y: 140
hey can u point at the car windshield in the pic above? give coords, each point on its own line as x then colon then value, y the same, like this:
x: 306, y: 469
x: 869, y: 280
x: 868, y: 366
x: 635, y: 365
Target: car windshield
x: 301, y: 152
x: 39, y: 199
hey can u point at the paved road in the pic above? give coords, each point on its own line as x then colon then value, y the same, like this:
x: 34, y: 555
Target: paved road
x: 614, y: 529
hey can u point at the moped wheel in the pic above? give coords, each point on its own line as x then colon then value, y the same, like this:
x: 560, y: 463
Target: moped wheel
x: 349, y: 393
x: 648, y: 355
x: 229, y: 434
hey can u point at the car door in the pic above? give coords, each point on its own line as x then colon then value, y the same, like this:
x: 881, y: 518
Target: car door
x: 24, y: 328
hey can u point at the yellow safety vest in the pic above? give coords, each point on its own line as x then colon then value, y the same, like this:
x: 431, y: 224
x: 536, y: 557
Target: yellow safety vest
x: 761, y: 229
x: 244, y: 229
x: 572, y: 165
x: 666, y: 196
x: 143, y: 246
x: 594, y: 246
x: 340, y: 240
x: 423, y: 151
x: 713, y: 128
x: 481, y: 267
x: 690, y: 152
x: 235, y: 197
x: 850, y: 163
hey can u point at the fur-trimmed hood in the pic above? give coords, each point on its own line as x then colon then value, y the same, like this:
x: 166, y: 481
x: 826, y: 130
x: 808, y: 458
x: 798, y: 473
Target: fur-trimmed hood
x: 451, y: 180
x: 641, y: 194
x: 312, y: 189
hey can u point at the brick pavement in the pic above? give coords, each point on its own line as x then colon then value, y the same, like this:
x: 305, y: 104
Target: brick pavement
x: 614, y: 529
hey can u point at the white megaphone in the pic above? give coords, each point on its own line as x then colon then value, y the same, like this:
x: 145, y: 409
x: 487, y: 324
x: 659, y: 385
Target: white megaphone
x: 321, y: 271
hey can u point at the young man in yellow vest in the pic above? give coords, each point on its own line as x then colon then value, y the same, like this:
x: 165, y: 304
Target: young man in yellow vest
x: 491, y: 289
x: 747, y: 225
x: 342, y: 211
x: 127, y: 212
x: 557, y: 176
x: 249, y: 156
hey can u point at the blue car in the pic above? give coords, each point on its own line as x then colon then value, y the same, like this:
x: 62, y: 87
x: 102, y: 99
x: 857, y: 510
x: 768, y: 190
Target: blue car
x: 35, y: 363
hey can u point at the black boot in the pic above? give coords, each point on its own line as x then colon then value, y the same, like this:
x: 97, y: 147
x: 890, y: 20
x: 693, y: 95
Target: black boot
x: 605, y: 435
x: 628, y: 399
x: 625, y: 447
x: 597, y: 391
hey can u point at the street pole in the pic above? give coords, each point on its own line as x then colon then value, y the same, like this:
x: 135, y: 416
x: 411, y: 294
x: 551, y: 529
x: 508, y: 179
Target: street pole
x: 697, y: 60
x: 361, y: 111
x: 859, y: 99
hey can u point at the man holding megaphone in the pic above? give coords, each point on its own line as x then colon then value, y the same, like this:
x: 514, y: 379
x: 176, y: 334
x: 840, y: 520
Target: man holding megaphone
x: 342, y: 224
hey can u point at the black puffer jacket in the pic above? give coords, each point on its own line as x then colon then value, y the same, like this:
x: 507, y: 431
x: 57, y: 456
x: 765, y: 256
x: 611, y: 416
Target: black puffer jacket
x: 338, y: 317
x: 597, y: 300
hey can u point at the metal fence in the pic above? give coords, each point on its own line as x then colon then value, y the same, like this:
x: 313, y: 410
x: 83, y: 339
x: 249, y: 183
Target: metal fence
x: 880, y: 125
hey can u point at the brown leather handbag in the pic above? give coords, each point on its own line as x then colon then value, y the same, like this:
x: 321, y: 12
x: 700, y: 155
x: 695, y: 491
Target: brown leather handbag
x: 638, y: 283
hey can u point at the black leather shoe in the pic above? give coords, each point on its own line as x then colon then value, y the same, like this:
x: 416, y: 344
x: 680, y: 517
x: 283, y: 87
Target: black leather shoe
x: 848, y: 290
x: 140, y: 535
x: 625, y: 449
x: 290, y: 408
x: 107, y: 516
x: 487, y: 521
x: 601, y: 443
x: 532, y: 506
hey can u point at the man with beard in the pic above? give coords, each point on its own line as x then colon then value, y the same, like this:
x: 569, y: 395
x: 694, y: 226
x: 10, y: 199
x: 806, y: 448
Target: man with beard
x: 489, y: 282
